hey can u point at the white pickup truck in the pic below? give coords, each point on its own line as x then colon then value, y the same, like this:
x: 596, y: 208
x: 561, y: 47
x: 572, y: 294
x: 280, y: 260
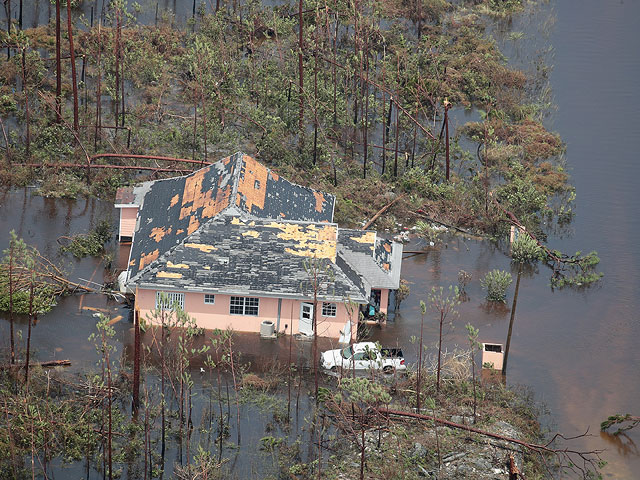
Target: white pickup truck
x: 364, y: 356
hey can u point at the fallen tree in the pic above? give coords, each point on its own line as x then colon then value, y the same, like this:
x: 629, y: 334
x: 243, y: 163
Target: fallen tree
x: 47, y: 364
x: 579, y: 461
x: 577, y: 269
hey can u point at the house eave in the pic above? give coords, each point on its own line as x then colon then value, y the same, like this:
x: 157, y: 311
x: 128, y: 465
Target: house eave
x: 245, y: 293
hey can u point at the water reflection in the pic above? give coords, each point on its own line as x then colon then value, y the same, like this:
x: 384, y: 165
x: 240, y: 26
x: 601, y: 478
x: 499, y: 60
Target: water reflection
x: 622, y: 443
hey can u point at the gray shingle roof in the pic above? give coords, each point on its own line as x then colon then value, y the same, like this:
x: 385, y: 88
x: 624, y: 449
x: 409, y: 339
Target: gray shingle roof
x: 236, y: 227
x: 376, y: 260
x: 174, y: 208
x: 255, y: 257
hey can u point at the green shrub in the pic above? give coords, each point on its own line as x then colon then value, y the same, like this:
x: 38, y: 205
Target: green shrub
x: 525, y: 249
x: 496, y: 283
x: 91, y: 244
x: 428, y: 231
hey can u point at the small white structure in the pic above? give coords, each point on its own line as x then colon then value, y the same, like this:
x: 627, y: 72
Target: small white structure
x: 492, y: 356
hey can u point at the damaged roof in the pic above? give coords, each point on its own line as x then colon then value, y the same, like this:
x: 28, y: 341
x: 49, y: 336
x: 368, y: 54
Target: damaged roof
x: 235, y: 255
x: 237, y: 227
x: 124, y: 195
x: 376, y: 260
x: 173, y: 209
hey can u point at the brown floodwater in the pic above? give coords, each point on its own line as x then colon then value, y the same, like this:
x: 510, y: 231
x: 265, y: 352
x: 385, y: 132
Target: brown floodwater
x: 576, y: 349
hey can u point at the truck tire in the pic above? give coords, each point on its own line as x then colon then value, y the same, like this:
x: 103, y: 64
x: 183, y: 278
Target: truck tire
x: 388, y: 369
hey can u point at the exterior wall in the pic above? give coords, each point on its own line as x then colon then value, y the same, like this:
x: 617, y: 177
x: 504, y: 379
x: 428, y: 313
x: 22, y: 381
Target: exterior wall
x: 128, y: 217
x: 218, y: 316
x: 384, y: 300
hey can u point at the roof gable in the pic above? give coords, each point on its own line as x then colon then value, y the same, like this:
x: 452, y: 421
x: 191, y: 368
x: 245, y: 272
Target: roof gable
x: 174, y: 208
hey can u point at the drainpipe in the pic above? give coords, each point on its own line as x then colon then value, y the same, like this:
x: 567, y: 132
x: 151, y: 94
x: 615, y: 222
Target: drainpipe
x: 278, y: 320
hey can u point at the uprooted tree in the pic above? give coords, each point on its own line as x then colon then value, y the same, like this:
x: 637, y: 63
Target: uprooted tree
x: 29, y: 284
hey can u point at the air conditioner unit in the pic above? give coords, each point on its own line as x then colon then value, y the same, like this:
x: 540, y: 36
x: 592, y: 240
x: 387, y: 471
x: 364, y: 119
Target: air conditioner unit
x: 267, y: 329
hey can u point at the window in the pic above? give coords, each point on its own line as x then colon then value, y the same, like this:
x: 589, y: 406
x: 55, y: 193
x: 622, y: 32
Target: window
x: 169, y: 301
x: 209, y: 298
x: 328, y: 309
x: 244, y: 306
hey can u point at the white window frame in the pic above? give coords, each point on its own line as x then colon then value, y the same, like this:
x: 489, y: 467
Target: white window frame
x: 328, y: 307
x: 209, y: 299
x: 244, y: 304
x: 171, y: 299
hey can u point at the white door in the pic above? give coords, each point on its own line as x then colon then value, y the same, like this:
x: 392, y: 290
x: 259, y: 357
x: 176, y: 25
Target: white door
x: 306, y: 318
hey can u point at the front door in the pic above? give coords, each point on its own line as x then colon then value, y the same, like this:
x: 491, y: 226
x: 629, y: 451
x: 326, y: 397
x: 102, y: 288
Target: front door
x: 306, y: 318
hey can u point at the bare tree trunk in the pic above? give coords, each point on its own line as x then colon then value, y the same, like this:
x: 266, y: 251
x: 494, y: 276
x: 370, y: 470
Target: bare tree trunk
x: 447, y: 105
x: 98, y: 121
x: 122, y: 96
x: 289, y: 370
x: 136, y: 363
x: 473, y: 378
x: 163, y: 369
x: 204, y: 121
x: 147, y: 450
x: 419, y: 377
x: 315, y: 333
x: 6, y: 141
x: 366, y: 109
x: 395, y: 158
x: 116, y: 54
x: 31, y: 319
x: 319, y: 471
x: 300, y: 74
x: 26, y: 101
x: 7, y: 11
x: 11, y: 258
x: 333, y: 70
x: 419, y: 15
x: 385, y: 127
x: 439, y: 353
x: 110, y: 422
x: 195, y: 127
x: 486, y: 166
x: 315, y: 110
x: 511, y: 319
x: 235, y: 387
x: 58, y: 66
x: 362, y: 451
x: 221, y: 416
x: 13, y: 462
x: 74, y: 81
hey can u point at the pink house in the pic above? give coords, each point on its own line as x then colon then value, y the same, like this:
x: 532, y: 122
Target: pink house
x: 235, y: 245
x: 128, y: 213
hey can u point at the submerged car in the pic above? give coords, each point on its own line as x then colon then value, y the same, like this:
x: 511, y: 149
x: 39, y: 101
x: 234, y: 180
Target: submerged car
x: 364, y: 356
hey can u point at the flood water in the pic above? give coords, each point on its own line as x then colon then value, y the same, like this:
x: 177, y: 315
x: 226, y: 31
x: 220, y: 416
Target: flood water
x: 577, y: 350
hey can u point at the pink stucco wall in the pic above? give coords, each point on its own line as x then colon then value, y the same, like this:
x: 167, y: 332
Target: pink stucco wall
x: 128, y: 217
x: 218, y: 316
x: 384, y: 300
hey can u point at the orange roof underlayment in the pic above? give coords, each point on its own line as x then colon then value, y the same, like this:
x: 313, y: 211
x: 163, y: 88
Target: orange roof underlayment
x: 175, y: 208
